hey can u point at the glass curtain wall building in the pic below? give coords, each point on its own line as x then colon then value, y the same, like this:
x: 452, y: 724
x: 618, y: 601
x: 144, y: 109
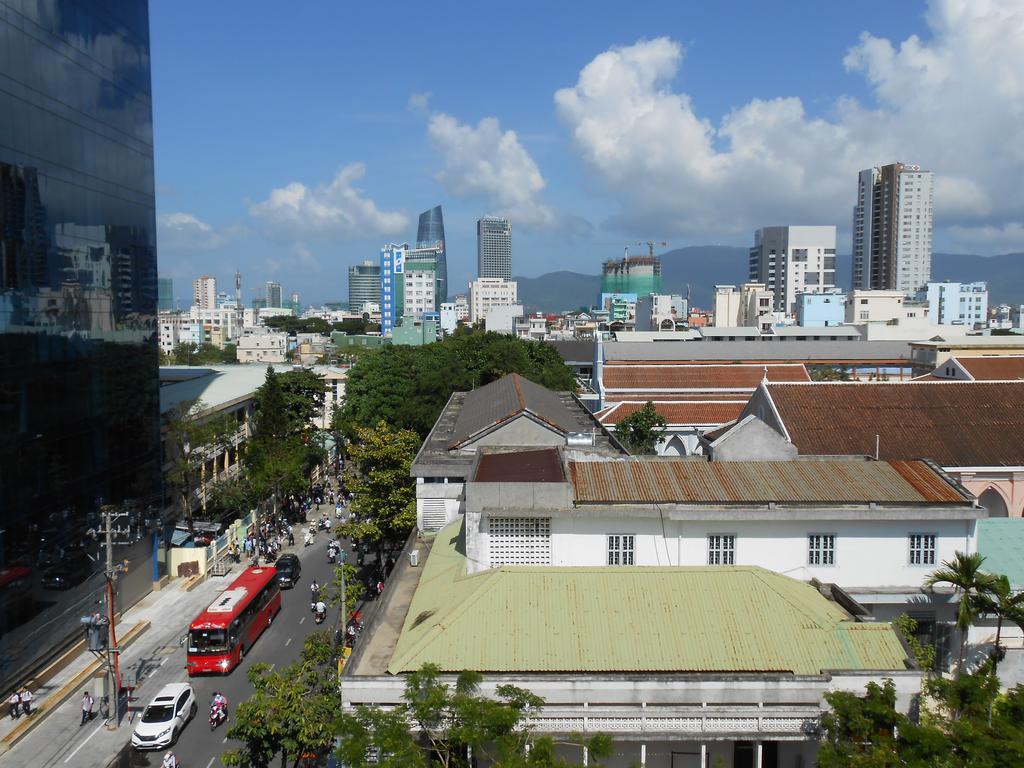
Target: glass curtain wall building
x: 430, y: 233
x: 79, y: 391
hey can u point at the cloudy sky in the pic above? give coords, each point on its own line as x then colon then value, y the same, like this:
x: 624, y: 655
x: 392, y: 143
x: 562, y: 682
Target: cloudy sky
x: 293, y: 139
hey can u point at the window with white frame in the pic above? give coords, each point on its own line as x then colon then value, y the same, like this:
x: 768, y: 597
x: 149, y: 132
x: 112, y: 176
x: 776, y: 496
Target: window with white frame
x: 922, y: 549
x: 821, y: 549
x: 620, y: 549
x: 721, y: 549
x: 519, y: 540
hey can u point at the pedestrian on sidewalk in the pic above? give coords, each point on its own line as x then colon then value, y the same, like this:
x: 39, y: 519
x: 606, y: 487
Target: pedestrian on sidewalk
x: 14, y: 702
x: 87, y: 702
x: 26, y: 701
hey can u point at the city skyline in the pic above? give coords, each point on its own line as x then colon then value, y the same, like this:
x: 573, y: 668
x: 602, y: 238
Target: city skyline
x: 748, y: 147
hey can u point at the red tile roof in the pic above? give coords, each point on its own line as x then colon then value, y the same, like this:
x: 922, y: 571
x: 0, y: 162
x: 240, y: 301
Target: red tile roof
x: 652, y: 481
x: 698, y: 377
x: 956, y: 424
x: 678, y: 412
x: 993, y: 368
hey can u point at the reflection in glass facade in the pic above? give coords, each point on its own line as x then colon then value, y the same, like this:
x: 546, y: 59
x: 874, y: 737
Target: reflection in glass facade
x: 429, y: 233
x: 79, y: 418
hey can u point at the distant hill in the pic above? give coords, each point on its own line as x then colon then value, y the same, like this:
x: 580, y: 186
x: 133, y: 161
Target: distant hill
x: 701, y: 267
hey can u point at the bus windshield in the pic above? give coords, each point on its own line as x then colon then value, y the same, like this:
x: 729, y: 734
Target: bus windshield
x: 207, y: 641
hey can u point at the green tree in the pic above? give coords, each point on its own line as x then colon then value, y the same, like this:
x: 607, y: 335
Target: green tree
x: 302, y: 396
x: 1006, y: 605
x: 640, y: 432
x: 972, y: 584
x: 455, y: 727
x: 829, y: 373
x: 924, y: 655
x: 191, y: 439
x: 378, y: 473
x: 292, y: 710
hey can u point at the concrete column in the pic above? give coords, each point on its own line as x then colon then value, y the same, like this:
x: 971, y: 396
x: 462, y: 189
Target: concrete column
x: 703, y: 755
x: 759, y: 757
x: 643, y: 756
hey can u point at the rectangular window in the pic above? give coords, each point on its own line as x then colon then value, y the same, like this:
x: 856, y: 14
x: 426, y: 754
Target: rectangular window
x: 721, y: 549
x: 519, y: 540
x: 821, y: 549
x: 620, y: 549
x: 922, y: 549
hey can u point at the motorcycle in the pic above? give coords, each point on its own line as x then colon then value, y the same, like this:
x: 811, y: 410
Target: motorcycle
x: 218, y: 715
x: 325, y: 524
x: 319, y: 616
x: 331, y: 555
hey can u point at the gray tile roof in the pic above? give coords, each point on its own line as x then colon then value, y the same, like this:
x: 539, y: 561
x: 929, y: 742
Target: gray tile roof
x: 504, y: 399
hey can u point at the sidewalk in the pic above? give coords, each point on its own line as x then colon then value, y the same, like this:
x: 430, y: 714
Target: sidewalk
x: 148, y: 634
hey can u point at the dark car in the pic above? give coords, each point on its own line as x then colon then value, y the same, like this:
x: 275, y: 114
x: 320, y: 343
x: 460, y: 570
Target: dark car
x: 68, y: 573
x: 288, y: 569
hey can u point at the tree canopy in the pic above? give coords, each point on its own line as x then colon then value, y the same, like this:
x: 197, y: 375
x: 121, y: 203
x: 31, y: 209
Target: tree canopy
x: 408, y: 386
x: 200, y: 354
x: 640, y: 432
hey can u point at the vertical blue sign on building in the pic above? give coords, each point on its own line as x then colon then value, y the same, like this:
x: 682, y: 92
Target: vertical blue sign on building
x: 392, y: 263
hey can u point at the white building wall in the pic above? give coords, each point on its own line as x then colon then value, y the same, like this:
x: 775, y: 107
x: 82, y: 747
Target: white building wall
x: 957, y: 303
x: 914, y: 230
x: 490, y: 291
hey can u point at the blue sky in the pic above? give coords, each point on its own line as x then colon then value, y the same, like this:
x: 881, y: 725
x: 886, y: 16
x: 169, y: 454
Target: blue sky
x: 293, y: 139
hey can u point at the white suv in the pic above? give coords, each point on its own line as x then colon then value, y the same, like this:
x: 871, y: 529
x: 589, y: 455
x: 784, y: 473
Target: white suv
x: 165, y: 717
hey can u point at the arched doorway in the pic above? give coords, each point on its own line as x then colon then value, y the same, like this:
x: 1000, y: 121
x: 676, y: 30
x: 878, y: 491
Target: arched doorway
x: 992, y: 500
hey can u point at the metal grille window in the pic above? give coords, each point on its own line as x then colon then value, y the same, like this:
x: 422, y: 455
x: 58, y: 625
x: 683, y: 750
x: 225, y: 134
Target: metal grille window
x: 620, y: 549
x: 721, y: 549
x: 821, y: 549
x: 922, y: 549
x: 519, y: 540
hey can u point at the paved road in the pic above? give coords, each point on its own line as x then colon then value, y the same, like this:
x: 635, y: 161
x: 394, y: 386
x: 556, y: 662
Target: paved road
x: 279, y: 646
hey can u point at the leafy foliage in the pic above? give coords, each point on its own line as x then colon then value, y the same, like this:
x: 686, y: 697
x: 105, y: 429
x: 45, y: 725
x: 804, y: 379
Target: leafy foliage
x: 457, y: 726
x: 828, y: 373
x: 641, y: 432
x: 924, y: 655
x: 968, y: 726
x: 378, y: 473
x: 408, y: 386
x: 291, y: 712
x: 200, y: 354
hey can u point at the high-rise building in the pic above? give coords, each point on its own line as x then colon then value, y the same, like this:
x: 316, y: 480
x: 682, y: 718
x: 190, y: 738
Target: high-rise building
x: 792, y: 260
x: 204, y: 292
x: 952, y: 303
x: 494, y: 248
x: 430, y: 233
x: 629, y: 278
x: 164, y: 294
x: 392, y: 265
x: 79, y: 386
x: 363, y: 285
x: 490, y: 292
x: 892, y: 229
x: 274, y: 294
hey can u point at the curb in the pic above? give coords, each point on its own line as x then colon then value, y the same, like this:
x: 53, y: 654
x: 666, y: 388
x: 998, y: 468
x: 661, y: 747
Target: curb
x: 58, y: 697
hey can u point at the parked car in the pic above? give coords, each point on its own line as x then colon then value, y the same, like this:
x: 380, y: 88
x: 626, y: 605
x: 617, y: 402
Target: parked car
x: 165, y: 717
x: 288, y: 569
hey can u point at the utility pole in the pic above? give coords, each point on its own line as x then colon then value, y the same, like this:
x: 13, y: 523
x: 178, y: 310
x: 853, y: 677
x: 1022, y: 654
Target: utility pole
x: 111, y: 692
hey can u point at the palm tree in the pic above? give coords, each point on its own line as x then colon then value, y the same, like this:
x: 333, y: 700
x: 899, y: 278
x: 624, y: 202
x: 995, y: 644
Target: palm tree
x: 1004, y: 605
x: 964, y: 573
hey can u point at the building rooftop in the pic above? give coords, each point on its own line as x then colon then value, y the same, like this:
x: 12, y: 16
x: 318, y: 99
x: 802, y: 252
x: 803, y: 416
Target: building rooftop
x: 792, y: 350
x: 685, y: 412
x: 540, y: 466
x: 957, y: 424
x: 650, y: 377
x: 504, y: 399
x: 993, y: 368
x: 216, y: 385
x: 649, y: 480
x: 738, y: 619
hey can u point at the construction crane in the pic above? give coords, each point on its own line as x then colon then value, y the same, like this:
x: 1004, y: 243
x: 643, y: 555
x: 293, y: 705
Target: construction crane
x: 650, y: 246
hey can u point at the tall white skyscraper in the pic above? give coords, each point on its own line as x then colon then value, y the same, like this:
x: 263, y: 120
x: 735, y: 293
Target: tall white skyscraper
x: 494, y: 248
x: 204, y: 292
x: 892, y: 229
x: 792, y: 260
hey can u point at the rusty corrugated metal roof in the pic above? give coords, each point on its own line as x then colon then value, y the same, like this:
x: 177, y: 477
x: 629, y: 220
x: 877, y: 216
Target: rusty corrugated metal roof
x: 629, y: 619
x: 645, y: 480
x: 540, y: 466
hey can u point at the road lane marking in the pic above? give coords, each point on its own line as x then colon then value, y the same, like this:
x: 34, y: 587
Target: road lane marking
x: 302, y: 619
x: 164, y: 661
x: 98, y: 729
x: 272, y: 666
x: 223, y: 741
x: 288, y: 642
x: 212, y: 759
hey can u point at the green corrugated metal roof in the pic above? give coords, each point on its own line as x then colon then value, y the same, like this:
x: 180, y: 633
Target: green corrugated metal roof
x: 1001, y: 541
x: 642, y: 619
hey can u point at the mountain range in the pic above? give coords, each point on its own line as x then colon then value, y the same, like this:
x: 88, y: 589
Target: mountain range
x: 697, y: 269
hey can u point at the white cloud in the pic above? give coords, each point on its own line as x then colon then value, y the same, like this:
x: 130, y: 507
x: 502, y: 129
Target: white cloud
x: 953, y: 103
x: 185, y: 231
x: 486, y: 163
x: 336, y: 208
x: 419, y: 102
x: 298, y: 259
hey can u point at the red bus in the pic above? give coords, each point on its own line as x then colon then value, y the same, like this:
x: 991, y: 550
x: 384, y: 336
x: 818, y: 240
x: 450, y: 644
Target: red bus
x: 219, y: 636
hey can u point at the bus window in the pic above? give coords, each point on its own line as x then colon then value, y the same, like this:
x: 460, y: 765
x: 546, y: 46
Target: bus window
x: 207, y: 641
